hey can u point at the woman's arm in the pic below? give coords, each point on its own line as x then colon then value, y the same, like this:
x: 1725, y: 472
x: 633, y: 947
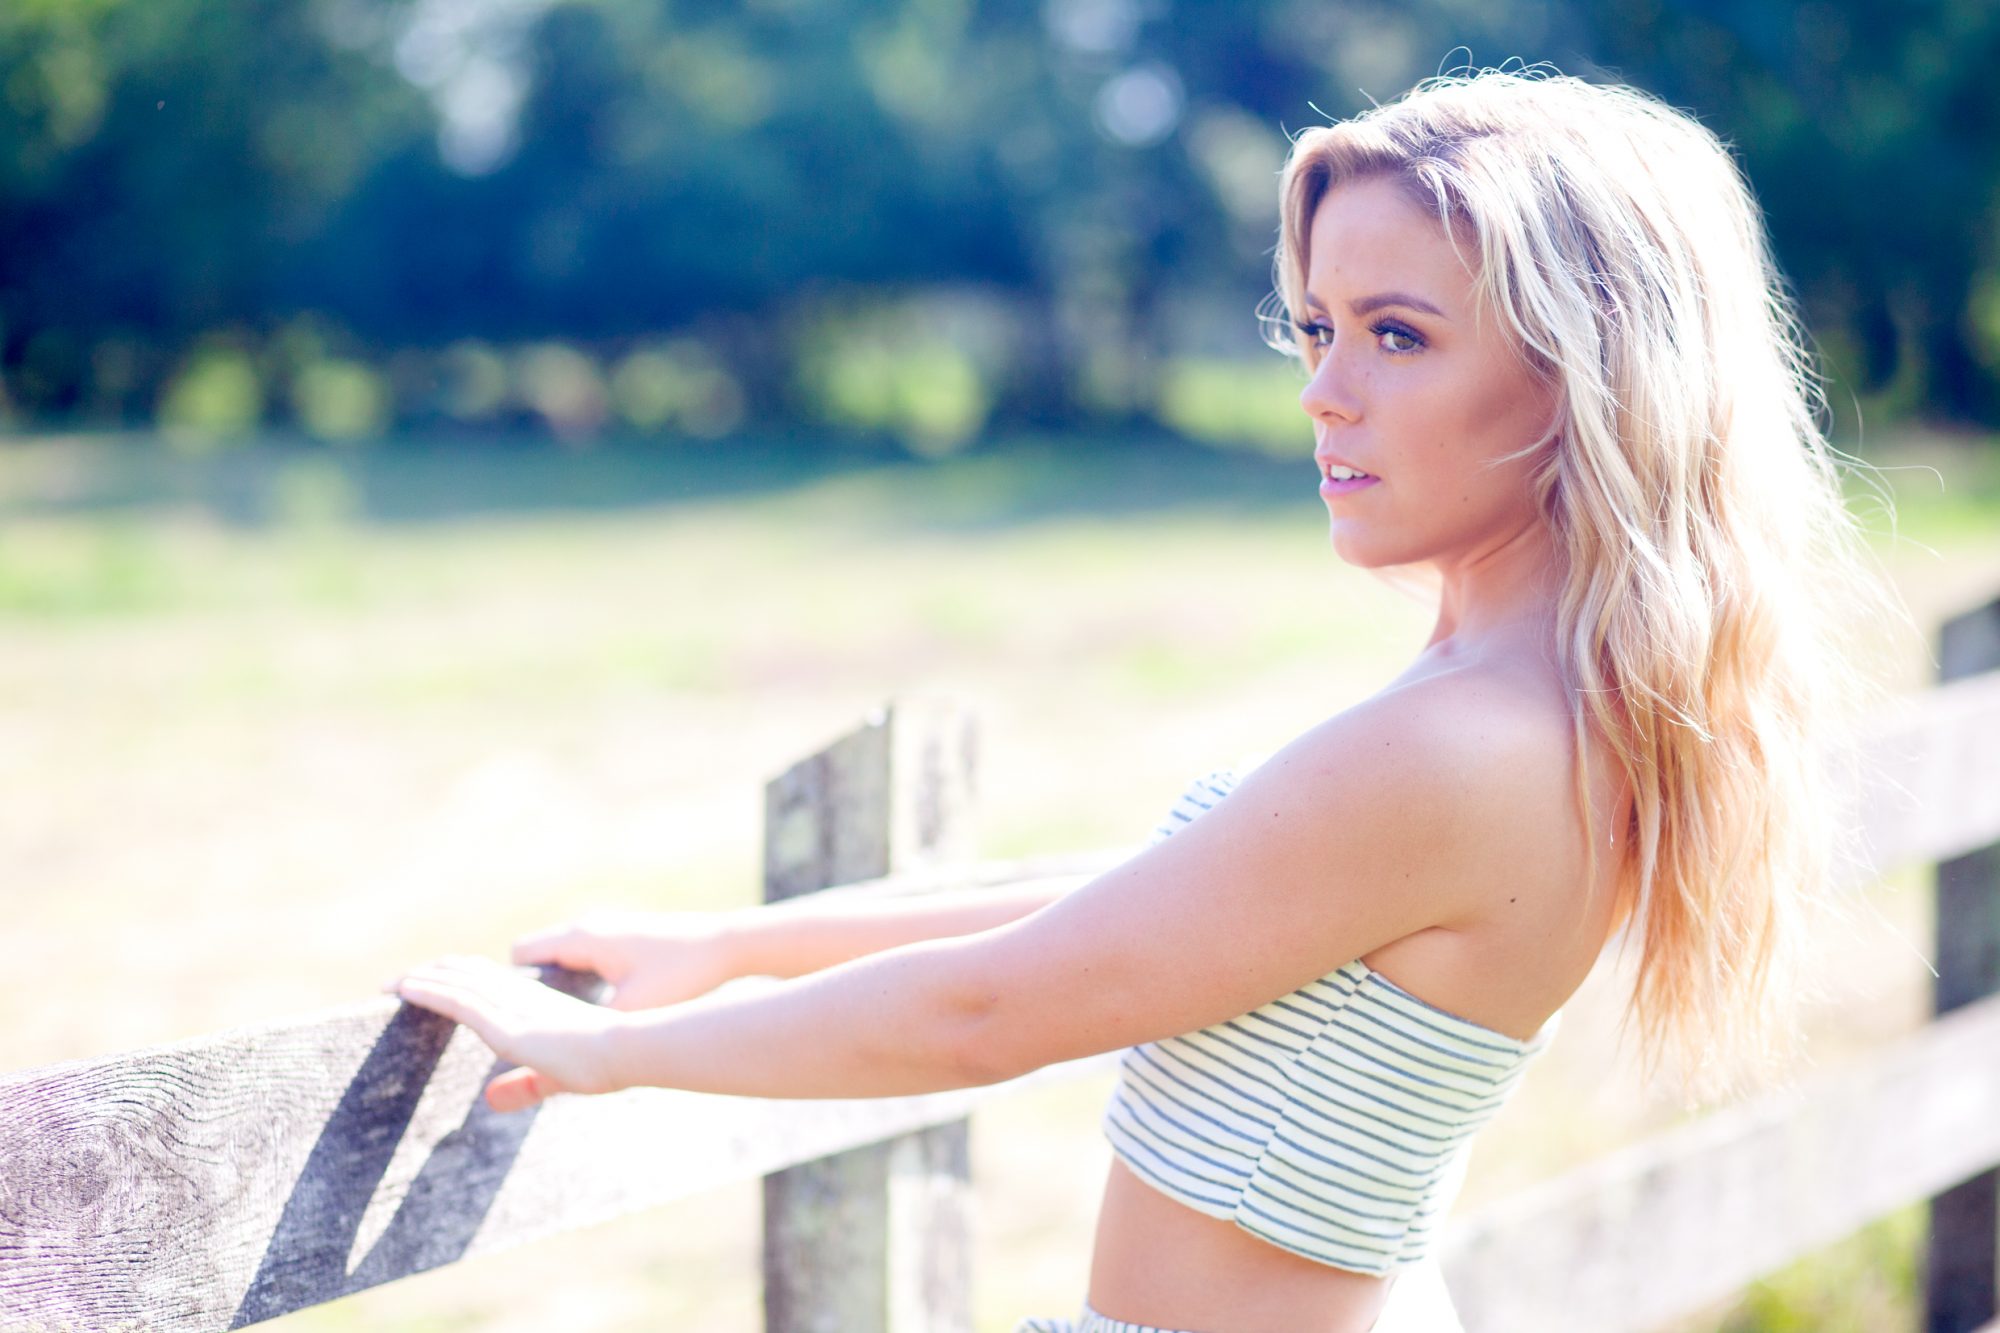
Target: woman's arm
x: 816, y: 1036
x: 1380, y: 823
x: 821, y: 930
x: 901, y: 1020
x: 667, y: 957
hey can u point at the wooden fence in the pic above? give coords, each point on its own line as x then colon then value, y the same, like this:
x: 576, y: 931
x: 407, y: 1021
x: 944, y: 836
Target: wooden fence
x: 210, y: 1184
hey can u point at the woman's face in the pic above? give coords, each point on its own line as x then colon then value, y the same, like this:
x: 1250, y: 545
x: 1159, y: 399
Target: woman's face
x: 1411, y: 388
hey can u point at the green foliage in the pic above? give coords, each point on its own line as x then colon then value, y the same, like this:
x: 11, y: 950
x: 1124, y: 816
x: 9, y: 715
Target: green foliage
x: 1867, y: 1283
x: 564, y: 387
x: 340, y: 400
x: 510, y: 215
x: 680, y: 386
x: 215, y: 398
x: 472, y: 380
x: 896, y: 371
x: 1253, y: 404
x: 939, y: 401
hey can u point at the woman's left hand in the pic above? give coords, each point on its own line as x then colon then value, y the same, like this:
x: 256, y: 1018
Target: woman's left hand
x: 562, y: 1043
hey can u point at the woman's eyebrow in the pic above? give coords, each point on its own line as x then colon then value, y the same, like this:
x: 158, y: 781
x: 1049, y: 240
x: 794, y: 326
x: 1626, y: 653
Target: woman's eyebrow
x: 1369, y: 304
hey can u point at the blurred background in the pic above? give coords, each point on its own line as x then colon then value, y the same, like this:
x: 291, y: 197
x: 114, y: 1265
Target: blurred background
x: 452, y: 452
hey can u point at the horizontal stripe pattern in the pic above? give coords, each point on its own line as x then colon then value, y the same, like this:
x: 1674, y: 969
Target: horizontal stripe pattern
x: 1334, y: 1122
x: 1089, y: 1321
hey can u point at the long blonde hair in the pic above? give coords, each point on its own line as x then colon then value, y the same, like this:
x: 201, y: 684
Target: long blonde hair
x: 1708, y: 552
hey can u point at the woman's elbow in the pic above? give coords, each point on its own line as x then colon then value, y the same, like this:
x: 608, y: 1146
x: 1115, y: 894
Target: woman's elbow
x: 1007, y: 1033
x: 981, y: 1053
x: 1001, y: 1025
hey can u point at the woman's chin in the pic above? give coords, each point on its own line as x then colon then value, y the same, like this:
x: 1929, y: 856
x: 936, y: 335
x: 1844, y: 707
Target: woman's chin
x: 1354, y: 549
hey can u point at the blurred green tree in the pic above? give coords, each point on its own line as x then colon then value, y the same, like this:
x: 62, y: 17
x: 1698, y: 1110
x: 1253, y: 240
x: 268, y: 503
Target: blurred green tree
x: 1071, y: 205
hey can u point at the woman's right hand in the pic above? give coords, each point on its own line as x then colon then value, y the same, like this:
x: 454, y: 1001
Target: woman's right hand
x: 649, y: 958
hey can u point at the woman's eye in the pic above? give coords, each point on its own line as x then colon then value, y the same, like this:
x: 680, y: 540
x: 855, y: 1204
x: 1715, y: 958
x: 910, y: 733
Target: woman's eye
x: 1391, y: 338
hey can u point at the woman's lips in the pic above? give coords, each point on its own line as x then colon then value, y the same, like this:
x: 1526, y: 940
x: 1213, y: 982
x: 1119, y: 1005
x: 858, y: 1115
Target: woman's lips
x: 1329, y: 488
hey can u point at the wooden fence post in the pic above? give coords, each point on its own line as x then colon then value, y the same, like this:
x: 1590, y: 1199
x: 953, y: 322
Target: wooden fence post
x: 877, y: 1238
x: 1959, y: 1271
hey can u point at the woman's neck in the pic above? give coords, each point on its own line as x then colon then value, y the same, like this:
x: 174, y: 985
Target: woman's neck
x: 1502, y: 597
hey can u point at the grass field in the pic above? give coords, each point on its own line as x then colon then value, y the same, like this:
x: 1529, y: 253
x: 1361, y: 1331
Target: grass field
x: 278, y: 723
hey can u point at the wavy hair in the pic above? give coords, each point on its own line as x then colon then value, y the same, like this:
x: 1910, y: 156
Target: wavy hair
x: 1708, y: 555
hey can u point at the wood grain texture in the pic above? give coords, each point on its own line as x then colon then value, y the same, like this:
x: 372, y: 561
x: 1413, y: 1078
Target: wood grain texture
x: 1932, y: 777
x: 876, y: 1240
x: 1961, y: 1280
x: 212, y: 1184
x: 216, y: 1183
x: 1654, y: 1233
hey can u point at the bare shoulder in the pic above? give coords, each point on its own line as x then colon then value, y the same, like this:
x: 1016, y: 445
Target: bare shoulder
x: 1520, y: 909
x: 1476, y: 762
x: 1431, y: 831
x: 1371, y: 835
x: 1492, y: 734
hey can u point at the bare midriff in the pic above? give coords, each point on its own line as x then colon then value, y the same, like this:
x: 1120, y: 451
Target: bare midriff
x: 1160, y: 1263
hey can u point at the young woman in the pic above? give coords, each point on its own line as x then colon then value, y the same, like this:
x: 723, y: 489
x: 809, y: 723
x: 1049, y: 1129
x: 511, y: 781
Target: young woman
x: 1551, y: 371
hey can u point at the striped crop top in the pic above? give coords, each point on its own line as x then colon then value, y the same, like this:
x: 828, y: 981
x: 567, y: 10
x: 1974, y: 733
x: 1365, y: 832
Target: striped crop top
x: 1334, y: 1122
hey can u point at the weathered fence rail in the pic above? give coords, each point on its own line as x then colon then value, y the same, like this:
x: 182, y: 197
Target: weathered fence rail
x: 210, y: 1184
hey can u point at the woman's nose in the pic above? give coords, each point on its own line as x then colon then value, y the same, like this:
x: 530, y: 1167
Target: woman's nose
x: 1328, y: 394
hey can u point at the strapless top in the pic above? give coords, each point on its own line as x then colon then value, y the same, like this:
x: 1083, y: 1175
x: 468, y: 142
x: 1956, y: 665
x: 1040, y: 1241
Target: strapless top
x: 1334, y: 1122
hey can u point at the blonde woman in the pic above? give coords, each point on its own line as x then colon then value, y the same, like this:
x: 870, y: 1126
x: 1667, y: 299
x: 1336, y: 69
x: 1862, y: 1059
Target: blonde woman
x: 1550, y: 369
